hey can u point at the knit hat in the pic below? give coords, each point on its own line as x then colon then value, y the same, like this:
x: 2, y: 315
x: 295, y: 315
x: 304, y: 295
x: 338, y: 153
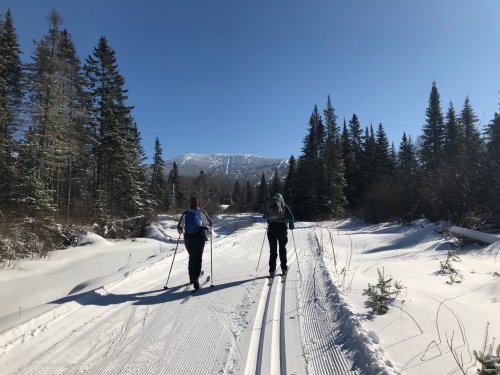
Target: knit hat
x: 194, y: 202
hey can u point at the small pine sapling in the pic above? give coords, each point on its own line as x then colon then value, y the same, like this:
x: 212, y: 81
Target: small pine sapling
x: 382, y: 294
x: 490, y: 362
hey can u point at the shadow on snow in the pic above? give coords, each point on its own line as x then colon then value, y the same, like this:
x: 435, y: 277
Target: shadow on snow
x: 150, y: 297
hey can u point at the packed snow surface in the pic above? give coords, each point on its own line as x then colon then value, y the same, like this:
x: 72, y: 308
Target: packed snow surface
x: 101, y: 308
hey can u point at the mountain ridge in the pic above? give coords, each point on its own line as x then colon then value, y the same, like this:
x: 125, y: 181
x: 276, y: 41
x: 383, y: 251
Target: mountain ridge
x: 234, y: 166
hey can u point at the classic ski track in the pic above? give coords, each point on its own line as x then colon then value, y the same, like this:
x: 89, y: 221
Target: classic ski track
x: 257, y: 341
x: 323, y: 350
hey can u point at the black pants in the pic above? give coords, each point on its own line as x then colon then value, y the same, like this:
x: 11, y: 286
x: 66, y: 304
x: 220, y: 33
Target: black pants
x: 278, y: 237
x: 195, y: 243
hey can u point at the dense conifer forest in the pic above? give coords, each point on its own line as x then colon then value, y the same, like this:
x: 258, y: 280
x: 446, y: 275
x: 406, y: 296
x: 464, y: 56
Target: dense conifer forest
x: 71, y: 158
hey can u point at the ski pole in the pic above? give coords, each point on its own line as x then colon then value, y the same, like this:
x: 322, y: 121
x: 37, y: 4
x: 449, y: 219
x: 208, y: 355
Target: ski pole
x: 175, y: 252
x: 265, y: 234
x: 211, y: 266
x: 296, y: 254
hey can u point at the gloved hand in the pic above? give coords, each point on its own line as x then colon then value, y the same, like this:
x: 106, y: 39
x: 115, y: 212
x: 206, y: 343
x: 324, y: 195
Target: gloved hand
x: 291, y: 226
x: 180, y: 230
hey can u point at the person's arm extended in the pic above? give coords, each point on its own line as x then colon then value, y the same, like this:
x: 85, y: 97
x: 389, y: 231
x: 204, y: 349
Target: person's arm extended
x: 207, y: 216
x: 180, y: 224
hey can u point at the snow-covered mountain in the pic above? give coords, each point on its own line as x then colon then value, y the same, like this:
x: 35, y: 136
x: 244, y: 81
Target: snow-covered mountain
x: 238, y: 166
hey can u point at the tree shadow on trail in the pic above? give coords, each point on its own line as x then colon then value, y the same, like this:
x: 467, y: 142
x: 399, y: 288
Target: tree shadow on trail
x: 151, y: 297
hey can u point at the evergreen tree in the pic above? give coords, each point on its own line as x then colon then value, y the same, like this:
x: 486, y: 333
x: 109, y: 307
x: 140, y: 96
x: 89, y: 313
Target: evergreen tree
x: 383, y: 162
x: 310, y: 170
x: 237, y: 196
x: 433, y: 131
x: 289, y: 192
x: 249, y: 200
x: 158, y: 185
x: 11, y: 94
x: 352, y: 146
x: 468, y: 120
x: 178, y: 197
x: 57, y: 139
x: 262, y: 194
x: 368, y: 161
x: 407, y: 157
x: 493, y: 167
x: 453, y: 140
x: 472, y: 171
x: 119, y: 177
x: 335, y: 183
x: 407, y: 180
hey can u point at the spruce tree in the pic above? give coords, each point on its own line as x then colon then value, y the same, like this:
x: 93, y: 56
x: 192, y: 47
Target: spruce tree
x: 368, y: 161
x: 335, y: 183
x: 119, y: 177
x: 310, y: 170
x: 433, y: 131
x: 352, y: 146
x: 178, y: 197
x: 453, y: 139
x: 383, y: 162
x: 407, y: 178
x: 472, y: 168
x: 236, y: 197
x: 158, y: 185
x: 289, y: 189
x: 262, y: 194
x: 57, y: 139
x: 11, y: 94
x: 249, y: 199
x: 493, y: 167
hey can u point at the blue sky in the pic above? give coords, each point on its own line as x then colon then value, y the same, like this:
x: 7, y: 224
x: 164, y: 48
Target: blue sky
x: 225, y: 76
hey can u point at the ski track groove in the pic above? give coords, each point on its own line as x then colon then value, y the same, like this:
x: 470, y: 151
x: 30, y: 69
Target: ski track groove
x: 323, y: 352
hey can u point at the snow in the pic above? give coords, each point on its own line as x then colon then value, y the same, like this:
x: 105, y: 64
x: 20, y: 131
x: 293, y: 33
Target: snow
x: 101, y: 307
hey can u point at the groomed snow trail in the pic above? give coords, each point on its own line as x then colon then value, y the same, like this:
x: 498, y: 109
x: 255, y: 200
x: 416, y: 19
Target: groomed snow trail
x: 243, y: 325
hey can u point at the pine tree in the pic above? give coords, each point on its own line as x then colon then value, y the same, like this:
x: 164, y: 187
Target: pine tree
x: 57, y: 139
x: 158, y: 185
x: 493, y: 169
x: 262, y: 194
x: 237, y: 197
x: 407, y: 157
x: 407, y: 178
x: 472, y: 170
x: 249, y: 200
x: 368, y: 161
x: 335, y: 183
x: 178, y: 197
x: 352, y: 148
x: 383, y: 161
x: 453, y: 139
x: 289, y: 192
x: 11, y: 94
x: 310, y: 175
x: 119, y: 177
x: 433, y: 131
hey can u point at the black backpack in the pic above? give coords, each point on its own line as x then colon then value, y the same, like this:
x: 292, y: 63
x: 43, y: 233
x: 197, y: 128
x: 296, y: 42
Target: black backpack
x: 276, y: 209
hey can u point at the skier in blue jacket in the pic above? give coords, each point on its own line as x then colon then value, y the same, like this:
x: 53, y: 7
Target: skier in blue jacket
x: 193, y: 223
